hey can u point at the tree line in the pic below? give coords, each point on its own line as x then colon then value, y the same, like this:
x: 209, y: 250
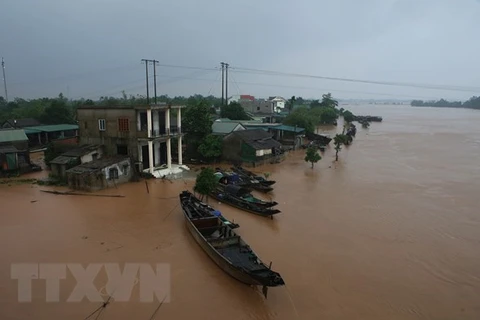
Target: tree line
x: 472, y: 103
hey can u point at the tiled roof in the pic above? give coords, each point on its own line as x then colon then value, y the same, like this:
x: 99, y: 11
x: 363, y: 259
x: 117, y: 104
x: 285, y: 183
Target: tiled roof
x: 257, y: 138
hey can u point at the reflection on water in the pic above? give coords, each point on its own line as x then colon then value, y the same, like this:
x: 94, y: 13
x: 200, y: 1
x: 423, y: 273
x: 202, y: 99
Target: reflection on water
x: 389, y: 232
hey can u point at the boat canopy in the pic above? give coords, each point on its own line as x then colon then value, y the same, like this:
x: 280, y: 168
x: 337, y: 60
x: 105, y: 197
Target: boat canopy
x: 236, y: 190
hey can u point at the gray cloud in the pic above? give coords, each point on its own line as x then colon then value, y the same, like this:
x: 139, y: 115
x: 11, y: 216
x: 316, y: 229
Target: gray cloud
x: 91, y: 48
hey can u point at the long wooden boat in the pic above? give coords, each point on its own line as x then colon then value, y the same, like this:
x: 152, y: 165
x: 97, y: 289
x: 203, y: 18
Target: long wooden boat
x: 244, y: 172
x: 234, y: 178
x: 227, y: 249
x: 204, y: 210
x: 241, y: 198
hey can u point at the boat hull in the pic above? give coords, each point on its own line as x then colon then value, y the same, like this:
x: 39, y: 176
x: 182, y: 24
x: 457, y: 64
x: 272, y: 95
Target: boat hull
x: 266, y: 212
x: 217, y: 258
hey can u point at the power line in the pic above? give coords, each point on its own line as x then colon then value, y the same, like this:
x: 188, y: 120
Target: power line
x: 400, y: 84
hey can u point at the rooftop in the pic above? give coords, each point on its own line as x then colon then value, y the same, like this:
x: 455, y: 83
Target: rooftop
x: 51, y: 128
x: 62, y: 159
x: 284, y: 127
x: 97, y: 165
x: 22, y: 123
x: 224, y: 127
x: 11, y: 135
x: 257, y: 138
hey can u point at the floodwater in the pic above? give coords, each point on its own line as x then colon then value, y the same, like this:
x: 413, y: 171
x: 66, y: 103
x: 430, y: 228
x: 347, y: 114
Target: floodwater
x: 391, y: 231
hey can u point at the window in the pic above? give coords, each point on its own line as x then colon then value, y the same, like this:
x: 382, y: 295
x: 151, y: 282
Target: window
x: 86, y: 125
x: 95, y: 156
x: 123, y: 125
x: 113, y: 173
x: 101, y: 124
x: 258, y: 108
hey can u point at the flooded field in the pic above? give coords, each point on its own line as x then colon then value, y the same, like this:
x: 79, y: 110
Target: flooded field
x: 391, y: 231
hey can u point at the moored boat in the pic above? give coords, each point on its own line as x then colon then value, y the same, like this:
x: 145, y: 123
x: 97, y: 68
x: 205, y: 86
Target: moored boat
x: 233, y: 178
x: 243, y: 172
x: 227, y: 249
x: 204, y: 210
x: 241, y: 198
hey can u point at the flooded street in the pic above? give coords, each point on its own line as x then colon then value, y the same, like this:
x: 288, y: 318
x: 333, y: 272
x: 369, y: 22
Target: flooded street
x: 391, y: 231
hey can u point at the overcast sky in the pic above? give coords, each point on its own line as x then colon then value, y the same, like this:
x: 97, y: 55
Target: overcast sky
x: 89, y: 48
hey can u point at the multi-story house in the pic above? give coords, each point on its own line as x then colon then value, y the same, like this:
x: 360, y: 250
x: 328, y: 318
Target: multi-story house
x: 144, y: 133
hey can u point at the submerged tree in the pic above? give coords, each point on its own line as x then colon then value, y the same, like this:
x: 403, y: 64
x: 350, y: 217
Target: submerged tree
x: 312, y: 155
x: 338, y: 140
x: 205, y: 182
x: 211, y: 147
x: 348, y: 116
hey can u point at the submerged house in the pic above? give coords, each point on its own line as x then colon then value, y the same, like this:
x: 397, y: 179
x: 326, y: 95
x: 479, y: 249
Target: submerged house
x: 74, y: 157
x: 20, y: 123
x: 100, y: 174
x: 250, y: 146
x: 14, y: 153
x: 42, y: 135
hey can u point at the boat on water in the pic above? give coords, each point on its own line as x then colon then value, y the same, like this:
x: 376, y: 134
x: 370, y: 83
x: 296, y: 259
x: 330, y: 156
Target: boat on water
x: 227, y: 249
x: 248, y: 174
x: 204, y: 210
x: 241, y: 198
x: 234, y: 178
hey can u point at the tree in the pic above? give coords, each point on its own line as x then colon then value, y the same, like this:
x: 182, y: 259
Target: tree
x: 315, y: 104
x: 312, y: 155
x: 328, y: 116
x: 301, y: 117
x: 211, y: 147
x: 205, y: 182
x: 57, y: 113
x: 290, y: 104
x: 328, y: 101
x: 338, y: 140
x: 196, y: 120
x: 348, y: 116
x: 233, y: 111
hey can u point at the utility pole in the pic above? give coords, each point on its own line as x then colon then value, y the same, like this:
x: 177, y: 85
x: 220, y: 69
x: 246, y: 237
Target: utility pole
x: 155, y: 78
x: 4, y: 80
x: 226, y: 83
x: 223, y: 74
x: 146, y: 75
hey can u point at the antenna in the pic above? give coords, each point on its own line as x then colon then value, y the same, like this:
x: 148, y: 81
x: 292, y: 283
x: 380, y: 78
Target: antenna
x: 4, y: 79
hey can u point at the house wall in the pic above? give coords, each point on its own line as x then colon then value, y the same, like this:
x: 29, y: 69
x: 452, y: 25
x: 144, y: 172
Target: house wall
x: 95, y: 181
x: 261, y: 153
x: 232, y: 148
x: 90, y: 134
x: 89, y: 156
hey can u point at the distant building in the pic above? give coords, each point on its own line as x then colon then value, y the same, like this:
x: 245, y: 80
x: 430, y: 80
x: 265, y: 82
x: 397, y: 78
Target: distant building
x: 14, y: 152
x: 74, y: 157
x: 20, y: 123
x: 249, y: 146
x: 220, y: 128
x: 143, y: 133
x: 100, y: 174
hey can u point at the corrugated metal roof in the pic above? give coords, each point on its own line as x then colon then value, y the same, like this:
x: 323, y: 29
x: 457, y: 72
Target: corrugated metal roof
x: 62, y: 160
x: 284, y: 127
x: 9, y: 135
x: 224, y: 127
x: 52, y: 128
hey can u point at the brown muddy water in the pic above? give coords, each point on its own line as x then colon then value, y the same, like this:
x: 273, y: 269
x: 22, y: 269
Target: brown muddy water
x: 391, y: 231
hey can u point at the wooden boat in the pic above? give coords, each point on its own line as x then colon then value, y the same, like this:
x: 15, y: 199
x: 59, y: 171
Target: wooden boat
x: 227, y: 249
x: 241, y: 198
x: 204, y: 210
x: 243, y: 172
x: 233, y: 178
